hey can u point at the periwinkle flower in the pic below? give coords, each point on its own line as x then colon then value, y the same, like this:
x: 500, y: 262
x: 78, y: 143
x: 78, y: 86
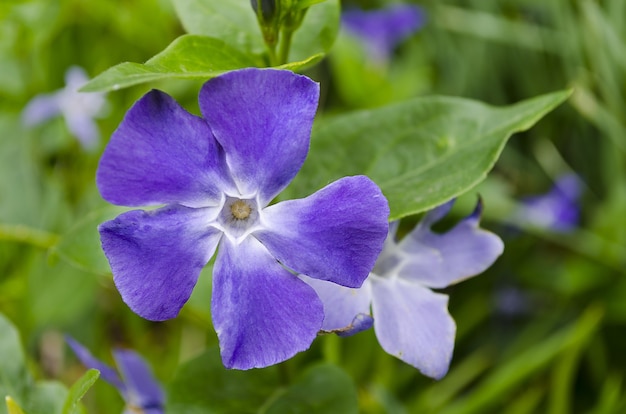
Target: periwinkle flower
x: 216, y: 176
x: 557, y: 210
x: 411, y: 321
x: 138, y: 387
x: 382, y: 30
x: 77, y: 108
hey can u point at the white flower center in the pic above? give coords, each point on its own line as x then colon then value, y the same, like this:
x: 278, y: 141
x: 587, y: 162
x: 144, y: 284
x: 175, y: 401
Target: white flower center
x: 239, y: 216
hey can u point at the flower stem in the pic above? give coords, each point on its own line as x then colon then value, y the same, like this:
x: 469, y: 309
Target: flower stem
x: 285, y: 45
x: 28, y: 235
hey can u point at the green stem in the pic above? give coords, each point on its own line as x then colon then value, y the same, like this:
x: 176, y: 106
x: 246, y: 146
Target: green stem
x: 285, y: 45
x: 24, y: 234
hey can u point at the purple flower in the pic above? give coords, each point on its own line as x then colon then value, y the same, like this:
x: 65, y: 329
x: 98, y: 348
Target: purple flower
x: 558, y: 210
x: 79, y: 109
x: 138, y: 387
x: 381, y: 30
x: 216, y: 176
x: 410, y: 320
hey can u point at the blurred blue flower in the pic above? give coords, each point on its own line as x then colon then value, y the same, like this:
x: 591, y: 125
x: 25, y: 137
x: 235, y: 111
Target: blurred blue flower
x: 411, y: 321
x: 77, y: 108
x: 216, y: 176
x: 558, y: 210
x: 138, y: 387
x: 382, y: 30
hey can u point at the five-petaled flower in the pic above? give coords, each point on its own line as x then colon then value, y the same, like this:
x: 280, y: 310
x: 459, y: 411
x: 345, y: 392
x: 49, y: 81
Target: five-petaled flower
x: 411, y: 321
x: 382, y: 30
x: 557, y: 210
x: 77, y: 108
x: 216, y: 176
x: 138, y: 387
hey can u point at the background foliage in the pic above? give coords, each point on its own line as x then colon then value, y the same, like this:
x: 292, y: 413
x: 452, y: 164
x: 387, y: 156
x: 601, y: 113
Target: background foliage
x: 541, y: 331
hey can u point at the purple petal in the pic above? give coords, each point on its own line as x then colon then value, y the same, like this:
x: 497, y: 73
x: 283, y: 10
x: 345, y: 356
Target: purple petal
x: 381, y: 30
x: 439, y: 260
x: 106, y: 372
x: 335, y: 234
x: 40, y: 109
x: 412, y: 323
x: 263, y: 314
x: 142, y: 389
x: 262, y: 118
x: 156, y: 256
x: 346, y: 310
x: 558, y: 210
x: 161, y: 154
x: 84, y: 128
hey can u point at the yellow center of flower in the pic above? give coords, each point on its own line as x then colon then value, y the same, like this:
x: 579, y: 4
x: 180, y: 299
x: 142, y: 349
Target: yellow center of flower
x: 240, y: 210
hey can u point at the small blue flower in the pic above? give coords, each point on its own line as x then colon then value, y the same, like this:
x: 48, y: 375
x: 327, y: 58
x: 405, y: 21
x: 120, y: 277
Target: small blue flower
x: 411, y: 321
x: 77, y: 108
x: 138, y: 387
x: 557, y: 210
x: 216, y: 176
x: 382, y: 30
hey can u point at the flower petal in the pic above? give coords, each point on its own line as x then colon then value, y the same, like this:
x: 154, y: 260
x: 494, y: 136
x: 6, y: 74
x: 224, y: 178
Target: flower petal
x: 263, y: 314
x: 106, y: 372
x: 412, y: 323
x: 41, y: 108
x: 335, y: 234
x: 84, y: 129
x: 161, y: 154
x: 156, y: 256
x: 262, y: 118
x: 346, y: 310
x: 381, y: 30
x: 439, y: 260
x: 143, y: 390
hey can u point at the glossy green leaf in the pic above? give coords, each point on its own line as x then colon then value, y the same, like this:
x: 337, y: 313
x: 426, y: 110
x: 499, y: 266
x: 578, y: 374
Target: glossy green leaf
x: 187, y: 57
x: 78, y: 390
x: 321, y: 389
x: 203, y: 385
x: 421, y: 152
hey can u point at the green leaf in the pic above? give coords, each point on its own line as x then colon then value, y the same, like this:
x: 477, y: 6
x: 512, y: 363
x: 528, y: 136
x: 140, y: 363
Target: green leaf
x: 12, y: 406
x: 203, y: 385
x: 78, y: 390
x: 80, y: 246
x: 317, y: 32
x: 44, y: 397
x: 14, y: 378
x: 187, y: 57
x: 321, y: 389
x: 421, y: 152
x: 234, y: 22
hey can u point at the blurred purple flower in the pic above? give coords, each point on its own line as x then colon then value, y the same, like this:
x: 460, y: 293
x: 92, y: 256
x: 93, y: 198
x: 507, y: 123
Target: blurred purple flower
x: 558, y: 210
x: 77, y: 108
x: 138, y: 387
x: 382, y: 30
x: 411, y: 321
x: 216, y: 175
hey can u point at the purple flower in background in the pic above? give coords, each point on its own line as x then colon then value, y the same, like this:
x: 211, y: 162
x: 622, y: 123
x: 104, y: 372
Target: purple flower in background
x: 79, y: 109
x: 410, y: 320
x: 138, y: 387
x: 216, y: 176
x: 558, y: 210
x: 381, y: 30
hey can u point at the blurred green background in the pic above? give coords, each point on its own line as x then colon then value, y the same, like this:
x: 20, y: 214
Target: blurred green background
x: 543, y: 330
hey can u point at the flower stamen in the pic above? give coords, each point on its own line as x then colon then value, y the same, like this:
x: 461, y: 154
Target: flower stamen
x: 240, y: 210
